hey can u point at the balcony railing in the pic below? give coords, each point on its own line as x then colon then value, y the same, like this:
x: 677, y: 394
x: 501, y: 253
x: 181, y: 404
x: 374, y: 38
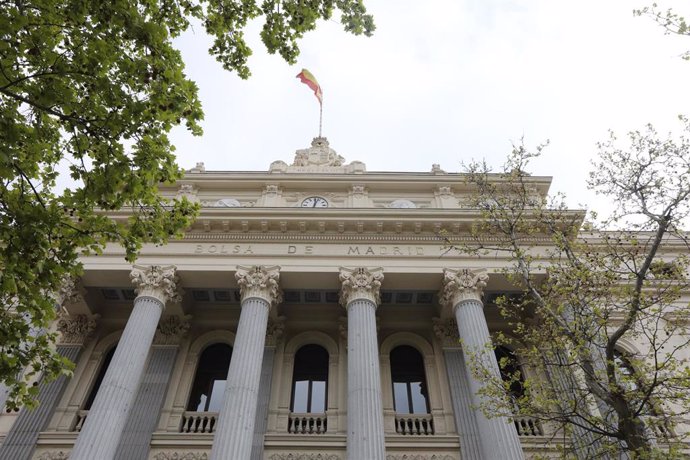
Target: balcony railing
x: 79, y: 419
x: 414, y: 424
x: 528, y: 426
x: 307, y: 423
x: 198, y: 422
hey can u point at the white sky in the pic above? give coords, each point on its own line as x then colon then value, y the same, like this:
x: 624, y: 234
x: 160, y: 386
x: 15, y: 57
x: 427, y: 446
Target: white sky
x: 445, y: 81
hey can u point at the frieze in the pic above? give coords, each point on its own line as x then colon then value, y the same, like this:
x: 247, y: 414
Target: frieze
x: 304, y: 456
x: 310, y: 249
x: 181, y: 456
x: 54, y: 455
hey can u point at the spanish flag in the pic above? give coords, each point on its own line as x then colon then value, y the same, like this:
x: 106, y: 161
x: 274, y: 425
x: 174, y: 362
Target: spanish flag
x: 308, y: 79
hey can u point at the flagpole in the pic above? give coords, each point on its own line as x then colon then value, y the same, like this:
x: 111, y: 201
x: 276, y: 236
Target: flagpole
x: 320, y: 115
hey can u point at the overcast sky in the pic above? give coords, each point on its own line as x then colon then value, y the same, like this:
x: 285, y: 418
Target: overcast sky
x: 446, y: 81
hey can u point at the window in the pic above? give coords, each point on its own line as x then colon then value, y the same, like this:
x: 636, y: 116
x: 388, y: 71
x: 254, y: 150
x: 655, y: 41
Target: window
x: 99, y: 378
x: 310, y: 380
x: 209, y: 380
x: 509, y: 365
x: 409, y: 381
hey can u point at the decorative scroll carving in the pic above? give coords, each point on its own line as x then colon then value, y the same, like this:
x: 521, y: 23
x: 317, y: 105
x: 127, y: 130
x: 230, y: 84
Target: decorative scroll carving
x: 69, y: 292
x: 54, y: 455
x: 260, y: 281
x: 172, y: 329
x: 76, y: 329
x: 445, y: 191
x: 360, y: 283
x: 181, y: 456
x: 358, y: 189
x: 463, y: 284
x: 304, y: 456
x: 156, y: 281
x: 447, y: 332
x: 274, y: 331
x: 420, y: 457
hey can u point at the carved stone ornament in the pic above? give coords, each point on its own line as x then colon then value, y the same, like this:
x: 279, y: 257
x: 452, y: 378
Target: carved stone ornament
x: 463, y: 284
x: 358, y: 189
x: 319, y: 154
x: 156, y: 281
x: 420, y: 457
x: 274, y: 331
x: 181, y: 456
x: 260, y: 281
x: 75, y: 329
x: 172, y: 329
x: 447, y: 332
x: 360, y: 283
x: 304, y: 456
x: 54, y: 455
x: 445, y: 191
x: 69, y: 292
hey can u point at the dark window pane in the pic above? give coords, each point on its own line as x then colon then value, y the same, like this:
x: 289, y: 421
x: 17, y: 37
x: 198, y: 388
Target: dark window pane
x: 510, y: 367
x: 99, y: 378
x: 209, y: 380
x: 409, y: 381
x: 310, y: 380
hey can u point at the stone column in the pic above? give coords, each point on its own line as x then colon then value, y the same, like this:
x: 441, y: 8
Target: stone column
x: 273, y: 334
x: 21, y: 440
x: 365, y: 430
x: 235, y: 431
x: 135, y: 442
x: 108, y: 415
x: 465, y: 421
x: 462, y: 292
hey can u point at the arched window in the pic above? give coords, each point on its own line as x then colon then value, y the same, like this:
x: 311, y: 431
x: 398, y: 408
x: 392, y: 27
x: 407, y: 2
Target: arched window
x: 310, y: 380
x: 209, y: 380
x: 510, y: 367
x: 99, y: 378
x: 410, y: 394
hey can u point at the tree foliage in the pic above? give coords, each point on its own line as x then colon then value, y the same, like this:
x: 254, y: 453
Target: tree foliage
x: 672, y: 22
x: 584, y: 293
x: 94, y: 87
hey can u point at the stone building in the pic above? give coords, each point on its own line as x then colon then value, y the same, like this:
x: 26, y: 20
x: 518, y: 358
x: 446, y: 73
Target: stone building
x: 319, y: 293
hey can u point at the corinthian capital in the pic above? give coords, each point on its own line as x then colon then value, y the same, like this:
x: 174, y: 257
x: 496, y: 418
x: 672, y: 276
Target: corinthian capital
x: 157, y: 282
x: 75, y: 330
x: 463, y: 284
x: 69, y: 292
x: 260, y: 281
x: 360, y: 283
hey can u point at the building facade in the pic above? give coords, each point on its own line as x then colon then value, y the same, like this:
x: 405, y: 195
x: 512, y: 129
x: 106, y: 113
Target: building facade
x: 312, y: 312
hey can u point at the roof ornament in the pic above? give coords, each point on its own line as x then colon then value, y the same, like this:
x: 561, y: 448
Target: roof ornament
x: 319, y: 158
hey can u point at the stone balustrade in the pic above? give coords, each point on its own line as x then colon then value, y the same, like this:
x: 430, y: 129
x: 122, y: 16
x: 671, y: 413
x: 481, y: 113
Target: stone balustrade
x: 79, y: 419
x: 414, y: 424
x: 528, y: 426
x: 307, y: 423
x: 198, y: 422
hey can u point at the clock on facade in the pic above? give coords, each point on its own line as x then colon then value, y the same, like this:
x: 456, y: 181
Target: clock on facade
x: 314, y: 202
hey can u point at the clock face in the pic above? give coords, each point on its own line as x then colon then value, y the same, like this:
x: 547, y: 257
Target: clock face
x: 314, y: 202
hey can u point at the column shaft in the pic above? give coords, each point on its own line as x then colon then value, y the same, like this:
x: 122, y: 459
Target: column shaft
x: 365, y: 431
x: 262, y: 406
x: 470, y: 442
x: 107, y: 417
x: 136, y: 439
x: 498, y: 436
x: 21, y: 440
x: 235, y: 431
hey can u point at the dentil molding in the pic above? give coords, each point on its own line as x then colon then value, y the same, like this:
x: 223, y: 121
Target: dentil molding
x: 157, y: 282
x: 360, y: 283
x: 463, y: 284
x: 260, y: 281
